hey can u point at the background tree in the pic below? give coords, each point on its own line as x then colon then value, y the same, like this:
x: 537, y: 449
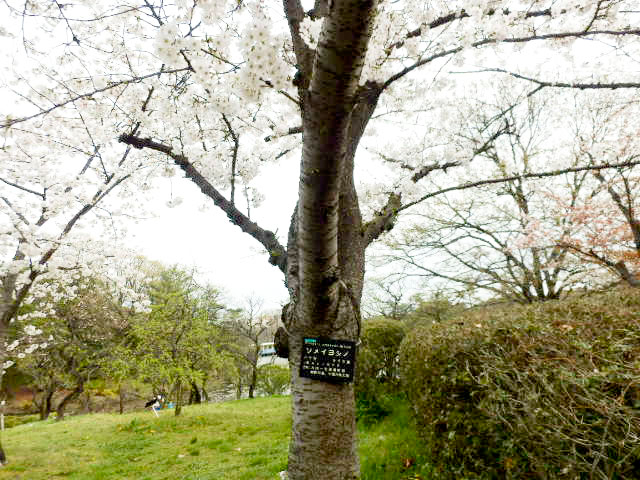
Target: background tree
x: 75, y: 338
x: 605, y: 225
x: 176, y: 344
x: 246, y: 329
x: 471, y: 242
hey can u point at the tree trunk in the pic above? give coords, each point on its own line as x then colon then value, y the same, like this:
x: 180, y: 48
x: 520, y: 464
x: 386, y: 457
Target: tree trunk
x: 194, y: 395
x: 205, y: 395
x: 327, y: 241
x: 45, y: 403
x: 4, y: 303
x: 65, y: 401
x: 178, y: 410
x: 120, y: 398
x: 239, y: 389
x: 86, y: 402
x: 254, y: 372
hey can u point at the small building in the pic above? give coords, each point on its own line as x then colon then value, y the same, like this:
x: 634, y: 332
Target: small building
x: 267, y: 356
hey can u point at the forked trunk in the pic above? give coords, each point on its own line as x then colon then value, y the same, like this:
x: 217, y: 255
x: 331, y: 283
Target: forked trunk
x: 65, y: 401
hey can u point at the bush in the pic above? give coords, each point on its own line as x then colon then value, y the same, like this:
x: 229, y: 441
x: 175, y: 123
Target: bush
x: 15, y: 420
x: 377, y: 376
x: 273, y: 379
x: 550, y: 390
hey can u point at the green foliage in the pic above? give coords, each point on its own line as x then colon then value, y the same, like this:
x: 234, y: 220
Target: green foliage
x: 550, y: 390
x: 273, y: 379
x: 15, y: 420
x: 77, y: 335
x: 376, y: 377
x: 176, y: 343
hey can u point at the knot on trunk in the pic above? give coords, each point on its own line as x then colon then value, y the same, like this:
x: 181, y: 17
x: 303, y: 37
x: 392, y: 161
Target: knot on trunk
x: 281, y: 342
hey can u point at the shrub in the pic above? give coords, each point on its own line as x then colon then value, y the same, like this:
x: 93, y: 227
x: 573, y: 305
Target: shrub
x: 376, y: 377
x: 550, y: 390
x: 273, y: 379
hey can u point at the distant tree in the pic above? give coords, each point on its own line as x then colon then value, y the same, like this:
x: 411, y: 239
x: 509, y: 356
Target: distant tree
x: 245, y: 329
x: 76, y: 337
x: 436, y: 307
x: 176, y: 344
x: 605, y: 221
x: 472, y: 243
x: 386, y: 298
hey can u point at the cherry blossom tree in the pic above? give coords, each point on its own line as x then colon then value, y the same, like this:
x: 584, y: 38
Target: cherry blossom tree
x: 605, y: 223
x: 216, y: 89
x: 472, y: 243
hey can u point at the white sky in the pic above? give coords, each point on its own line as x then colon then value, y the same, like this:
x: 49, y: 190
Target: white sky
x: 226, y: 257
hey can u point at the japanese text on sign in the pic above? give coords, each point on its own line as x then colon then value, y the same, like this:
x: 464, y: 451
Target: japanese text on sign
x: 327, y: 359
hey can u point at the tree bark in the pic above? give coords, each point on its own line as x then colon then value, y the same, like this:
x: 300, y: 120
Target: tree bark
x: 194, y: 395
x: 326, y: 247
x: 65, y: 401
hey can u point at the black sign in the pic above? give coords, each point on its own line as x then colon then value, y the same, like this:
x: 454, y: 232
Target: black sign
x: 328, y: 360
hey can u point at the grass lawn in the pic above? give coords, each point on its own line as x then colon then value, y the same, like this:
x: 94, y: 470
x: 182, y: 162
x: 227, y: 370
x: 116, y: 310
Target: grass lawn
x: 245, y: 439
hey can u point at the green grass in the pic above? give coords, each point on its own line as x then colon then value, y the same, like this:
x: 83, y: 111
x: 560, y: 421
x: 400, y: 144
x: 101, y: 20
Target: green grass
x: 391, y: 449
x: 241, y: 440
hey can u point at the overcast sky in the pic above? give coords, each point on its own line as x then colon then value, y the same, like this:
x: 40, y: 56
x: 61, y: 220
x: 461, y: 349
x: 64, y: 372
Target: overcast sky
x: 197, y: 233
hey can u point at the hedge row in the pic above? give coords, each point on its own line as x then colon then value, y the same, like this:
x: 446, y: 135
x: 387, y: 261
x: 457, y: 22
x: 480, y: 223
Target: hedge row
x: 543, y: 391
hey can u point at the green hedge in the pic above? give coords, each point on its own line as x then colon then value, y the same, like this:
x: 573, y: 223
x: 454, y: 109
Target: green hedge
x: 550, y: 390
x: 377, y: 377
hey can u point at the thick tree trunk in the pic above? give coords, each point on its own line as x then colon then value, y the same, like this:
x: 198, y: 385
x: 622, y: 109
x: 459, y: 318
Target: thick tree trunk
x: 65, y: 401
x: 194, y: 395
x: 326, y: 248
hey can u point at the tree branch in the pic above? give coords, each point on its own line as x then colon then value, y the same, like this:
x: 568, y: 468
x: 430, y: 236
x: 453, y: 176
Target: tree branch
x: 384, y: 220
x: 580, y: 86
x: 291, y: 131
x: 9, y: 121
x: 234, y: 156
x: 277, y: 253
x: 490, y: 41
x: 552, y: 173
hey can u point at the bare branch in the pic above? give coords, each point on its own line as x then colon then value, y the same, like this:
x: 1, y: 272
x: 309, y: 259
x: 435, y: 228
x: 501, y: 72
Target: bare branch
x: 24, y: 189
x: 492, y: 181
x: 580, y: 86
x: 490, y: 41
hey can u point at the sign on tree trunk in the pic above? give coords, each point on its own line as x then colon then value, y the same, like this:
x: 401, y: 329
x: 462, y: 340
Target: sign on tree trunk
x: 328, y: 360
